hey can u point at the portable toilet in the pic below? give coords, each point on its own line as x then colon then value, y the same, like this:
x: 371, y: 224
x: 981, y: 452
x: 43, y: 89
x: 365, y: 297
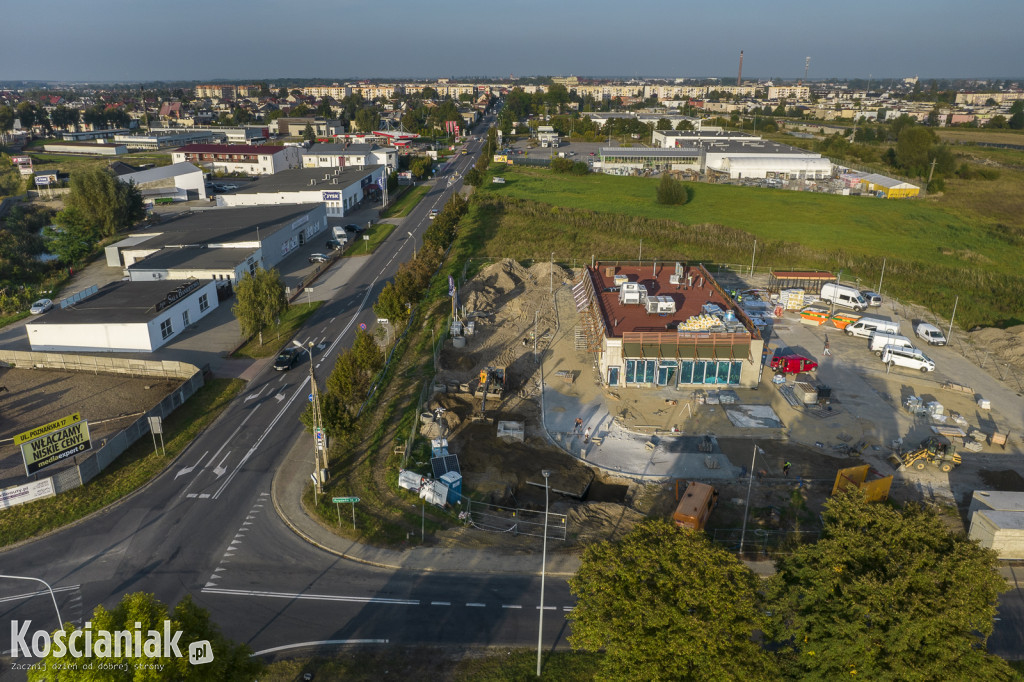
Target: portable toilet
x: 434, y: 492
x: 453, y: 479
x: 438, y: 447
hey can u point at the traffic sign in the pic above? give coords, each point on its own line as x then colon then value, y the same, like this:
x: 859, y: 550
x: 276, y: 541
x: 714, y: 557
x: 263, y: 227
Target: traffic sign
x: 362, y: 325
x: 310, y: 397
x: 345, y: 500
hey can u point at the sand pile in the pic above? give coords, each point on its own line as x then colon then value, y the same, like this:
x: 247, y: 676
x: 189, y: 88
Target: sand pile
x: 1005, y: 345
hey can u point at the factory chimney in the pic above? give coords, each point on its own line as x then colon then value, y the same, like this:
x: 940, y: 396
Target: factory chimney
x: 739, y: 78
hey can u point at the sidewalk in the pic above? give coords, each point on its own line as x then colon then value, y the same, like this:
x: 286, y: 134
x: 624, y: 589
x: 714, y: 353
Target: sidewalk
x: 286, y: 492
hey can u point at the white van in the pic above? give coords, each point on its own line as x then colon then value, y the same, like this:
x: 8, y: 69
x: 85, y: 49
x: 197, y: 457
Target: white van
x: 930, y: 333
x: 907, y: 357
x: 842, y: 295
x: 879, y: 340
x: 866, y: 326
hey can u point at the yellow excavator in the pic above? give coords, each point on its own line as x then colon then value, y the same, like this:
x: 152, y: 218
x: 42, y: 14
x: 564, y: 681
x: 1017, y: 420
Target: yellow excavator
x: 933, y: 450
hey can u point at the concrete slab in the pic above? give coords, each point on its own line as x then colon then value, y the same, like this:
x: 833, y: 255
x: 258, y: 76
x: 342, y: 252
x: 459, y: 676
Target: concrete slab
x: 753, y: 416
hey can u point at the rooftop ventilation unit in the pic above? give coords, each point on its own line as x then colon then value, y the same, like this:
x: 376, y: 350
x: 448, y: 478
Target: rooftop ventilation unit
x: 660, y: 305
x: 630, y: 293
x: 674, y: 279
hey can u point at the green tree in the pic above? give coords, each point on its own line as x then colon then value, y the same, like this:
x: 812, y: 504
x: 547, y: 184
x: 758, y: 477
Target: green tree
x: 324, y: 110
x: 1017, y: 107
x: 65, y: 117
x: 671, y: 191
x: 998, y: 121
x: 104, y: 202
x: 912, y: 149
x: 308, y: 134
x: 886, y: 594
x: 143, y: 611
x: 71, y: 238
x: 663, y: 124
x: 666, y: 604
x: 1017, y: 121
x: 367, y: 119
x: 684, y: 125
x: 6, y: 117
x: 420, y: 166
x: 259, y: 301
x: 474, y: 178
x: 428, y: 93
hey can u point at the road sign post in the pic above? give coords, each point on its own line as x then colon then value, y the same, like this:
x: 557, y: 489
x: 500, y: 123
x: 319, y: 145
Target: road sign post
x: 346, y: 500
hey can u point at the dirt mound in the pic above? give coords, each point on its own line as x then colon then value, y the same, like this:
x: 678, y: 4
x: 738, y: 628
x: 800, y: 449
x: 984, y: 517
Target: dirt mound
x: 1005, y: 344
x: 594, y: 521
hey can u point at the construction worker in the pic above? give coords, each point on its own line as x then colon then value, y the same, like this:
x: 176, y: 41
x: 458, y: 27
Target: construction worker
x: 578, y: 426
x: 786, y: 467
x: 586, y: 436
x: 827, y: 351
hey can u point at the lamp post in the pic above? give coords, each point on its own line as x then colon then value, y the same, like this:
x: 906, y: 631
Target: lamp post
x: 318, y: 431
x: 543, y: 566
x: 60, y: 621
x: 746, y: 507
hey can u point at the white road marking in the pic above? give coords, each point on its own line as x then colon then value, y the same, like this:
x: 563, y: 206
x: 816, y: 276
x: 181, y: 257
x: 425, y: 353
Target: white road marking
x: 315, y: 597
x: 322, y: 642
x: 188, y: 470
x: 567, y: 608
x: 279, y: 397
x: 192, y: 495
x: 546, y: 608
x: 511, y: 606
x: 440, y: 603
x: 270, y: 427
x: 204, y: 496
x: 475, y: 604
x: 253, y: 396
x: 219, y: 469
x: 29, y: 595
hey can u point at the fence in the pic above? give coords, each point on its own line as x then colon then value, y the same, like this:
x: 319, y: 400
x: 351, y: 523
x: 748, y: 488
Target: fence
x: 496, y: 519
x: 110, y: 448
x: 758, y: 541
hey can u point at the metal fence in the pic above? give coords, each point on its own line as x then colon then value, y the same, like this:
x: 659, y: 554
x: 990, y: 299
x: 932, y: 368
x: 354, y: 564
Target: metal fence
x: 496, y: 519
x: 762, y: 542
x: 69, y: 362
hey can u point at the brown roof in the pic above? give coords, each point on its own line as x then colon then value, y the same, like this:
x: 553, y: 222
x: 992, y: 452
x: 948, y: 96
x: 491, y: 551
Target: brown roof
x: 635, y: 318
x: 230, y: 148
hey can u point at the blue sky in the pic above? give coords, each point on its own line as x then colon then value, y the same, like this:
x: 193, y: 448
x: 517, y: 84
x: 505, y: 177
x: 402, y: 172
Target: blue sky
x: 130, y: 40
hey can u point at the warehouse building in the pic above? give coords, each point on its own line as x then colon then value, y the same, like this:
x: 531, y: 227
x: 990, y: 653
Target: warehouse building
x: 661, y: 325
x: 626, y: 160
x: 691, y: 138
x: 85, y: 148
x: 338, y: 190
x: 124, y: 317
x: 163, y: 139
x: 177, y: 182
x: 885, y: 187
x: 222, y: 244
x: 744, y: 159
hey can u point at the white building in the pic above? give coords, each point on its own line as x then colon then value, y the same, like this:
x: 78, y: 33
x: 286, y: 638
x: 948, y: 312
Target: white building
x: 349, y: 155
x: 338, y: 190
x: 124, y: 317
x: 997, y: 522
x: 239, y: 158
x: 739, y: 159
x: 179, y: 182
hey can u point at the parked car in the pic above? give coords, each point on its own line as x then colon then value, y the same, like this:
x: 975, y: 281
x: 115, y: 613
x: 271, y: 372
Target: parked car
x: 228, y: 187
x: 792, y: 364
x: 41, y: 306
x: 433, y: 213
x: 355, y: 229
x: 872, y: 297
x: 319, y: 258
x: 930, y: 333
x: 286, y: 359
x: 334, y: 245
x: 907, y: 357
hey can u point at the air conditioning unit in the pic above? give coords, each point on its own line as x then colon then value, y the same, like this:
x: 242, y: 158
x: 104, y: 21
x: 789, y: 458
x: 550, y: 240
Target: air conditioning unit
x: 674, y: 279
x: 660, y: 305
x: 630, y: 293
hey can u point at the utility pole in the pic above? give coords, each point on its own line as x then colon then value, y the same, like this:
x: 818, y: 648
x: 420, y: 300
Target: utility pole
x: 319, y: 437
x: 932, y: 171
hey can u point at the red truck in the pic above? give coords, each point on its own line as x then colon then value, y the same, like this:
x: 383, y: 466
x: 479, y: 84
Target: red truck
x: 792, y: 364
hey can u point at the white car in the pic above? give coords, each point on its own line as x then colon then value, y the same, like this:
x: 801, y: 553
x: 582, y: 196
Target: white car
x: 433, y: 213
x: 911, y: 358
x: 930, y: 333
x: 41, y: 306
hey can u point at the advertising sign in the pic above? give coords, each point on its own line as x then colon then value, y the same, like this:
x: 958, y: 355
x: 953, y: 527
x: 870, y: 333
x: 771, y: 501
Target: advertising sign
x: 55, y: 446
x: 500, y: 158
x: 331, y: 196
x: 20, y: 494
x: 405, y: 178
x: 42, y: 180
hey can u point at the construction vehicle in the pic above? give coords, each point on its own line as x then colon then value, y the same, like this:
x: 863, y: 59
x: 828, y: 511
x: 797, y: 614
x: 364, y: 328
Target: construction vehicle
x: 933, y: 450
x: 695, y: 506
x: 491, y: 386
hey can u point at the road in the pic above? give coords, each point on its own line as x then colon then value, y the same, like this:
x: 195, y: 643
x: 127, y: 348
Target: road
x: 206, y: 527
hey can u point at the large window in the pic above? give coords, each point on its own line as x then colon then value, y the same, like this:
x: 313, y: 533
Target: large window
x: 165, y: 329
x: 709, y: 372
x: 613, y: 376
x: 204, y: 303
x: 640, y: 371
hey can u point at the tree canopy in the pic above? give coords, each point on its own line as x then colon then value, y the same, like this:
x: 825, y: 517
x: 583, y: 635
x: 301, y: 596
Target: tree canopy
x: 886, y: 594
x: 259, y: 301
x: 671, y: 191
x: 667, y: 604
x: 104, y: 202
x: 143, y: 611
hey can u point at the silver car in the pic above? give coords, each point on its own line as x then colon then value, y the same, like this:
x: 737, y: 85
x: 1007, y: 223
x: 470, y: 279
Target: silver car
x: 872, y: 297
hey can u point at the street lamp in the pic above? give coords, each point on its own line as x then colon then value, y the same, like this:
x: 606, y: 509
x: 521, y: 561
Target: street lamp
x: 543, y: 566
x: 746, y: 508
x: 318, y: 431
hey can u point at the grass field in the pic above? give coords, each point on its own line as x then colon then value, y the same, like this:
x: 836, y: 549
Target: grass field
x: 407, y: 203
x: 933, y: 253
x: 969, y: 135
x: 377, y: 234
x: 70, y: 163
x: 133, y: 469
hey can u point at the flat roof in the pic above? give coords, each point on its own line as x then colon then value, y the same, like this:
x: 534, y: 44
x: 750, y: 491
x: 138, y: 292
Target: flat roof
x: 195, y: 258
x: 766, y: 147
x: 667, y: 152
x: 342, y: 149
x: 159, y: 173
x: 261, y: 149
x: 619, y: 318
x: 116, y: 303
x: 297, y: 180
x: 227, y: 224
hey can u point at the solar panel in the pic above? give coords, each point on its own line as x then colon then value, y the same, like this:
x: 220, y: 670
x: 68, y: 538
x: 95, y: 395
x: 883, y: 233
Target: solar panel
x: 443, y: 464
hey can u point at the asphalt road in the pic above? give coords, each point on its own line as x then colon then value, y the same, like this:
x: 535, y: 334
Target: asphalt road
x: 206, y: 526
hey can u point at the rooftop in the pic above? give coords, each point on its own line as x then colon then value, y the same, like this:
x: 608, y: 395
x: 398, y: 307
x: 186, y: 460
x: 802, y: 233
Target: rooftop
x: 689, y: 300
x: 118, y: 302
x: 298, y: 179
x: 649, y: 152
x: 262, y: 149
x: 330, y: 148
x: 195, y: 258
x: 159, y: 173
x: 228, y: 225
x: 767, y: 147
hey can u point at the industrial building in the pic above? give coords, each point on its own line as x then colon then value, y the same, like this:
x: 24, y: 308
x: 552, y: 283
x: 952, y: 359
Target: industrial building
x: 691, y: 138
x: 349, y: 155
x: 124, y: 317
x: 659, y: 325
x: 745, y: 159
x: 888, y: 188
x: 625, y: 160
x: 177, y: 182
x: 163, y: 139
x: 338, y: 190
x: 239, y: 158
x: 85, y: 148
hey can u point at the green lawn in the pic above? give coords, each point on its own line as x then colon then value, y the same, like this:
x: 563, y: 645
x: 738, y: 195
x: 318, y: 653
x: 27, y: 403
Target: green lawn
x: 407, y: 203
x: 377, y: 234
x: 133, y: 469
x: 863, y: 226
x: 274, y: 337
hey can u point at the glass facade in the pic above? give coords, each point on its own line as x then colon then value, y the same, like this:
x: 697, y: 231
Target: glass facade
x: 709, y: 372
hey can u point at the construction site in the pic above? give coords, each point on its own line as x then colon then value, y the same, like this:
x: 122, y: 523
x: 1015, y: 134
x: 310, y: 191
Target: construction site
x: 519, y: 401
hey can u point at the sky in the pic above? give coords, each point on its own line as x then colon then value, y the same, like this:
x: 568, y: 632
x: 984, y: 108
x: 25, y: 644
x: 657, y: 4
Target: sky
x: 246, y: 40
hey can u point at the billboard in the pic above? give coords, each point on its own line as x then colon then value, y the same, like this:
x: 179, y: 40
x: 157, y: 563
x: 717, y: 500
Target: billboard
x: 332, y: 195
x: 50, y: 443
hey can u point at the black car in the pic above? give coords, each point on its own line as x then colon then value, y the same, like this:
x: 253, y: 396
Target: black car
x: 287, y: 359
x: 355, y: 229
x: 334, y: 245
